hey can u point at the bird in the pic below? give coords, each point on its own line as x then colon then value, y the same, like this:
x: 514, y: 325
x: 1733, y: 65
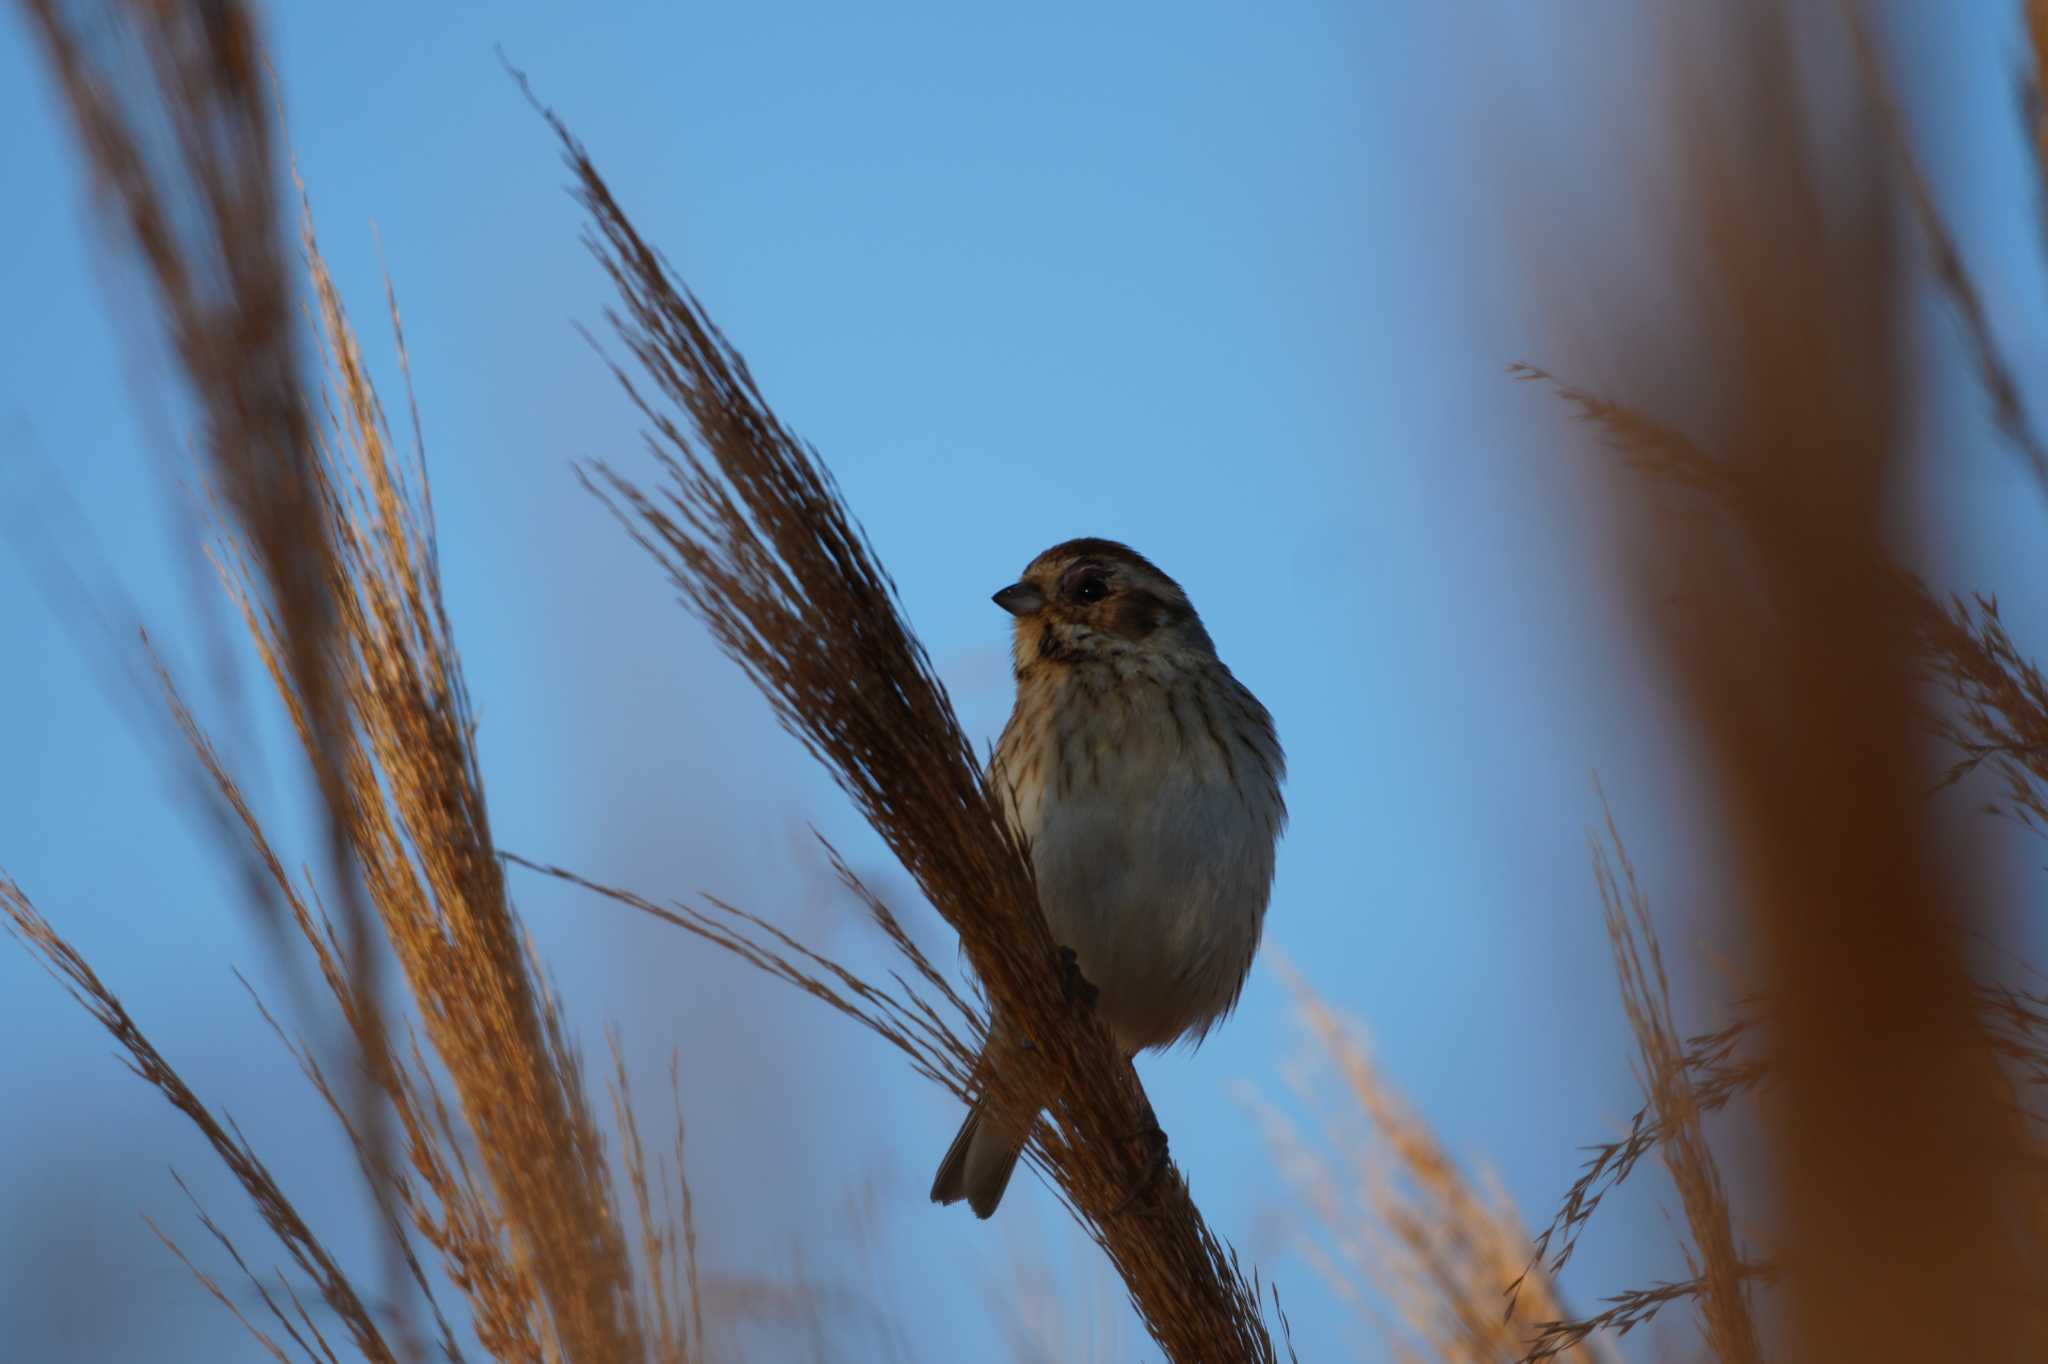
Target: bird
x: 1145, y: 780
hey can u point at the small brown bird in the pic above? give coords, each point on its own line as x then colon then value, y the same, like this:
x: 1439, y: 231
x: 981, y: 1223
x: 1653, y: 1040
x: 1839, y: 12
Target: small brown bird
x: 1146, y: 781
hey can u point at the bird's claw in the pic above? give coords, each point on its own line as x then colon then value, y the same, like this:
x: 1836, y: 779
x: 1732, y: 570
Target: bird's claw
x: 1153, y: 1139
x: 1073, y: 984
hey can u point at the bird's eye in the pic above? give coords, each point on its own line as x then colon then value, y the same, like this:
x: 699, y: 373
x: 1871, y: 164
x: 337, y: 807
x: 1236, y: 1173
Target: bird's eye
x: 1091, y: 590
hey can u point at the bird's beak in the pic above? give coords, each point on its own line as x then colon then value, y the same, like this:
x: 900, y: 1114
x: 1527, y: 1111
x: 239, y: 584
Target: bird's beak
x: 1020, y: 599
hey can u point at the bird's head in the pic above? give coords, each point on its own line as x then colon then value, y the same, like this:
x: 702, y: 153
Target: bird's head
x: 1092, y: 599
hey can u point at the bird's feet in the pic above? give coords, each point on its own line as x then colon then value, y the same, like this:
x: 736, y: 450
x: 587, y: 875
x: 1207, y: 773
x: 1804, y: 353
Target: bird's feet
x: 1072, y: 983
x: 1151, y: 1140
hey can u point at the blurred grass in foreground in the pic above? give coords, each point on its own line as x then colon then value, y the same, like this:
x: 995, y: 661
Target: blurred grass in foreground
x: 1877, y: 1042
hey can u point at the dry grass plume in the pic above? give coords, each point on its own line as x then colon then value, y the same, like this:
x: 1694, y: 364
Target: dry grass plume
x: 751, y: 530
x: 1393, y: 1218
x: 1795, y: 641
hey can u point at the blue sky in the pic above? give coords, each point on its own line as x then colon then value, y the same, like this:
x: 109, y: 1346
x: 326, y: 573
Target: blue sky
x: 1238, y: 290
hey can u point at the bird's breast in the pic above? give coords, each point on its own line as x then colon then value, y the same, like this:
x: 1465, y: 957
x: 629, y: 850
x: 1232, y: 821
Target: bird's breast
x: 1151, y: 810
x: 1109, y: 730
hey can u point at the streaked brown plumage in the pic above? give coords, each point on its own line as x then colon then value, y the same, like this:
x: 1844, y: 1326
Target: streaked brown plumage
x: 1146, y: 780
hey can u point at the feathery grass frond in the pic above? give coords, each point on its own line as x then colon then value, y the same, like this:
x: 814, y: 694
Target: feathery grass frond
x: 1395, y: 1211
x: 753, y: 534
x: 1626, y: 1311
x: 1718, y: 1266
x: 927, y: 1021
x: 672, y: 1312
x: 70, y: 969
x: 2001, y: 699
x: 1644, y: 443
x: 416, y: 813
x: 2016, y: 1021
x: 1714, y: 1074
x: 509, y: 1183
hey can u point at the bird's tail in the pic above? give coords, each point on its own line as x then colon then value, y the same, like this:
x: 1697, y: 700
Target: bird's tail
x: 978, y: 1165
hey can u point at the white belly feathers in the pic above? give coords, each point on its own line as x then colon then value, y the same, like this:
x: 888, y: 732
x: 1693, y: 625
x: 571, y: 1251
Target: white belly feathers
x: 1154, y: 867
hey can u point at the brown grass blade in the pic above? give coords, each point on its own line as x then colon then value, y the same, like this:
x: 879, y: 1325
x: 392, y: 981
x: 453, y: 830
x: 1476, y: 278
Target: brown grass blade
x: 921, y: 1016
x: 307, y: 1251
x: 2033, y: 100
x: 169, y: 104
x: 2008, y: 407
x: 509, y: 1184
x: 1720, y: 1270
x: 214, y: 1290
x: 673, y: 1317
x: 753, y: 533
x: 416, y: 814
